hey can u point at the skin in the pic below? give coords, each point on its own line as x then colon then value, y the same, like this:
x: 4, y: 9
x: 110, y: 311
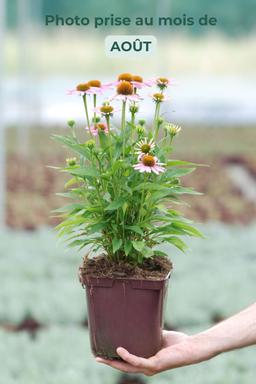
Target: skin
x: 180, y: 350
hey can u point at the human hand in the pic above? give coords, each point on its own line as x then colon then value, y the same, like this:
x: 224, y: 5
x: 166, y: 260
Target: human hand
x: 178, y: 350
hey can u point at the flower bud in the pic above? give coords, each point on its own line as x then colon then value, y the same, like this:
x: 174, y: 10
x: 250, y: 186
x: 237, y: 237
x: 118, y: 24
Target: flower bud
x: 142, y: 122
x: 134, y: 108
x: 160, y: 121
x: 96, y: 119
x: 172, y: 129
x: 140, y: 130
x: 71, y: 162
x: 90, y: 144
x: 71, y: 123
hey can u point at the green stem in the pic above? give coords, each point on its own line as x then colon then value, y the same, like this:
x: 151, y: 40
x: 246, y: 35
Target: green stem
x: 155, y: 124
x: 108, y: 122
x: 109, y: 141
x: 123, y: 125
x: 86, y: 112
x: 142, y: 198
x: 133, y: 124
x: 94, y: 105
x: 133, y: 118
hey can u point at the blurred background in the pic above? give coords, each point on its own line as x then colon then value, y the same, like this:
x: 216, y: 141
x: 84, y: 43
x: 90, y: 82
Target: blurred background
x: 43, y: 317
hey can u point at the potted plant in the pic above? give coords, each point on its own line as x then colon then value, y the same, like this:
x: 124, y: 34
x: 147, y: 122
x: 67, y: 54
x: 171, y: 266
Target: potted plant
x: 125, y: 189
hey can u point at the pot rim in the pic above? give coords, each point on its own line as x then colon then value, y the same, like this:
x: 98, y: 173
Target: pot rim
x: 136, y: 283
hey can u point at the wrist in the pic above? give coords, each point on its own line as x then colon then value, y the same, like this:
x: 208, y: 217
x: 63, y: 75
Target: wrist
x: 206, y: 345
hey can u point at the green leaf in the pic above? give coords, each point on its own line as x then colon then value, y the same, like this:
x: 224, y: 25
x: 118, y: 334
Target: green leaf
x: 116, y: 244
x: 178, y: 172
x: 182, y: 190
x: 156, y: 196
x: 117, y: 165
x: 83, y: 172
x: 149, y: 187
x: 115, y: 204
x: 177, y: 242
x: 71, y: 182
x: 72, y: 143
x: 174, y: 212
x: 124, y: 207
x: 127, y: 247
x: 138, y: 245
x: 76, y: 243
x: 103, y: 140
x: 191, y: 231
x: 96, y: 227
x: 69, y: 195
x: 160, y: 253
x: 181, y: 162
x: 136, y: 229
x: 161, y: 218
x: 147, y: 252
x: 69, y: 208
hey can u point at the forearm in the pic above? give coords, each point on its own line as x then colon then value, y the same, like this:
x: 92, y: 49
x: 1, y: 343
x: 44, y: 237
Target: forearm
x: 236, y: 332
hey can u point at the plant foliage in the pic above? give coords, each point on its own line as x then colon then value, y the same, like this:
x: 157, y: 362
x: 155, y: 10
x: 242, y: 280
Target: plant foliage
x: 123, y: 186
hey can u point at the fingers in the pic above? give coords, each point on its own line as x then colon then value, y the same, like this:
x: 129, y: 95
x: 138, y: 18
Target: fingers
x: 118, y: 365
x: 131, y: 363
x: 139, y: 362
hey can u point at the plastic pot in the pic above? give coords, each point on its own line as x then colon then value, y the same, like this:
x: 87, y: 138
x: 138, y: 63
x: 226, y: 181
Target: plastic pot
x: 125, y: 313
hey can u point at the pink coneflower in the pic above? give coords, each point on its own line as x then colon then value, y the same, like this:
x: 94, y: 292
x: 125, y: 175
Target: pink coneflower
x: 97, y: 87
x: 81, y: 89
x: 144, y: 147
x: 159, y: 97
x: 138, y: 82
x: 99, y: 127
x: 92, y: 87
x: 148, y: 164
x: 125, y: 91
x: 106, y: 109
x: 162, y: 82
x: 123, y: 77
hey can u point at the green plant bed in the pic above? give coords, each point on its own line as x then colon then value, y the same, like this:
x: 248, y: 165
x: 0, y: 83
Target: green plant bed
x: 216, y: 278
x: 62, y: 355
x: 38, y: 278
x: 57, y: 355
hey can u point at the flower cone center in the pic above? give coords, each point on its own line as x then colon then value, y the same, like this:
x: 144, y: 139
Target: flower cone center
x: 145, y: 148
x: 101, y: 126
x: 83, y: 87
x: 163, y: 80
x: 125, y: 77
x: 139, y: 79
x: 148, y: 160
x: 106, y: 109
x: 94, y: 83
x: 125, y: 88
x: 158, y: 96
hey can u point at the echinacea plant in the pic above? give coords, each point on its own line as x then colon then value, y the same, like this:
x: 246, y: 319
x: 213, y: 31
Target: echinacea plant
x: 123, y: 182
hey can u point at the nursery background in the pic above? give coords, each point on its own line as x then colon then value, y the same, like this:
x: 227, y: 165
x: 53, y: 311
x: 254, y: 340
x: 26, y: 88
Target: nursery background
x: 43, y: 318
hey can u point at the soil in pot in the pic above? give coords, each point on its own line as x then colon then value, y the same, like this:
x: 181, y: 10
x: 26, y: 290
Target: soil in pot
x: 156, y: 268
x: 125, y: 304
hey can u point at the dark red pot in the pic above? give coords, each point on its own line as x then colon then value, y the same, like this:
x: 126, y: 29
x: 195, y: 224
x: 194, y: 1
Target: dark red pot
x: 125, y: 313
